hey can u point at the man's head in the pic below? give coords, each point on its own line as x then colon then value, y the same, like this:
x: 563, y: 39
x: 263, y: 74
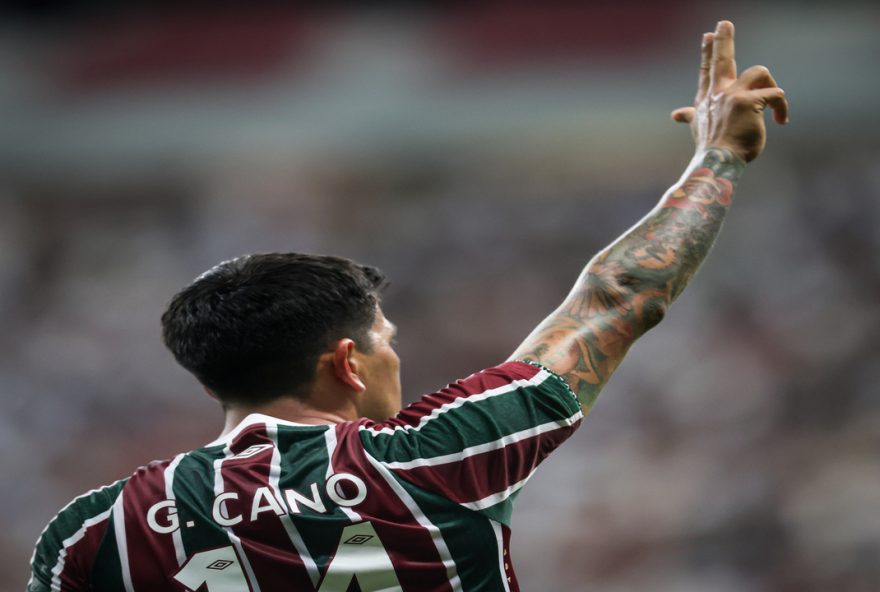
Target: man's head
x: 253, y: 329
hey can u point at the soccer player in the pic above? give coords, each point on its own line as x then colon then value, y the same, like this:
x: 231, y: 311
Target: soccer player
x: 319, y: 481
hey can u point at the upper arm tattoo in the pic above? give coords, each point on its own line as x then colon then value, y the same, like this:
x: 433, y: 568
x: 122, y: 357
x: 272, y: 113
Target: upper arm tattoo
x: 626, y: 289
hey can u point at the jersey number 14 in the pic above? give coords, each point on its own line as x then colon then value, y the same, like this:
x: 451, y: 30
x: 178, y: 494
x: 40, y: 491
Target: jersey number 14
x: 360, y: 557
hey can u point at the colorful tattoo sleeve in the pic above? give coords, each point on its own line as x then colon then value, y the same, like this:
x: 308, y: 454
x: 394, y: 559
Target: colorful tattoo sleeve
x: 626, y: 289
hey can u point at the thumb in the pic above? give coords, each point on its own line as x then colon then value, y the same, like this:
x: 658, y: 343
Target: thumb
x: 683, y: 114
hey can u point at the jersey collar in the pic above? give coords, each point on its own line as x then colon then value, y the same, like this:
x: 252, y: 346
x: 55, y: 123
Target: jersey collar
x: 259, y: 418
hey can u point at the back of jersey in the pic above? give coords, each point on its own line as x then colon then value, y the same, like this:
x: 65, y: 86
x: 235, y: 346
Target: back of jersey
x: 419, y: 502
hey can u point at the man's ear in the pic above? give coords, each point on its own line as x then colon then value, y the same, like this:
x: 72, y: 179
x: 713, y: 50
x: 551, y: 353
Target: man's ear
x: 345, y: 366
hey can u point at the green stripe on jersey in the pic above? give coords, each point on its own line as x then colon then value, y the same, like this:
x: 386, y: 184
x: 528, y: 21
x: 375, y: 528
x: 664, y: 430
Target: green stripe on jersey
x: 475, y: 422
x: 306, y: 461
x: 193, y: 488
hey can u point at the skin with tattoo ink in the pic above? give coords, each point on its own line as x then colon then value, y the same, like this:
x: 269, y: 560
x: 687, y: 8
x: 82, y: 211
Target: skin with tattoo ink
x: 626, y: 289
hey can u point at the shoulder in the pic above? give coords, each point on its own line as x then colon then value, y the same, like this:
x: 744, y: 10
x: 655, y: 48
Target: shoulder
x: 510, y: 384
x: 475, y: 442
x: 491, y: 403
x: 76, y: 528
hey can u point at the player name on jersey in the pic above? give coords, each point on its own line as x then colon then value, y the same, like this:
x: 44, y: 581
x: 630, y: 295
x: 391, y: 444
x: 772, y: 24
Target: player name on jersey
x: 162, y: 516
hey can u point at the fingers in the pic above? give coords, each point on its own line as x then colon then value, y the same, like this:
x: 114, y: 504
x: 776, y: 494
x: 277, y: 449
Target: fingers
x: 756, y: 77
x: 775, y: 98
x: 684, y: 114
x: 723, y: 67
x: 705, y: 66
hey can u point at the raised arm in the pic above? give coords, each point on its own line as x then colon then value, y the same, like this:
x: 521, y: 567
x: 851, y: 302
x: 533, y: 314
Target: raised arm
x: 627, y: 287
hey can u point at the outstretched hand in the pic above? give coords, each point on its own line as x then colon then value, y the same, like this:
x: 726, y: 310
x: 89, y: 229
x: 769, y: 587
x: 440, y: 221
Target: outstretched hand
x: 729, y: 111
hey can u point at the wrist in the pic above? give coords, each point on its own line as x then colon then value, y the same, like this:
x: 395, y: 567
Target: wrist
x: 709, y: 180
x: 728, y: 152
x: 722, y: 160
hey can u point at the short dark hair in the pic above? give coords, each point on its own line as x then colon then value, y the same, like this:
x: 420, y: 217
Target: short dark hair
x: 252, y: 329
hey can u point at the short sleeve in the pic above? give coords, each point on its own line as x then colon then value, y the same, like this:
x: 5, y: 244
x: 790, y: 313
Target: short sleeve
x: 65, y: 551
x: 477, y: 441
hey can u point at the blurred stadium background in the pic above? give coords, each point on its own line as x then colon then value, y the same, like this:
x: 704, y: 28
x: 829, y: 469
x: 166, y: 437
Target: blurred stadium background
x: 479, y: 154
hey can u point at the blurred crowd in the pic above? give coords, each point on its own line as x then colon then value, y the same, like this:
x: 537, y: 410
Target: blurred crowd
x: 738, y: 446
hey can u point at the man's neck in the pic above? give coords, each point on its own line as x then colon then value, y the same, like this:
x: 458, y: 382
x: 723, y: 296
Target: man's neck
x: 287, y: 409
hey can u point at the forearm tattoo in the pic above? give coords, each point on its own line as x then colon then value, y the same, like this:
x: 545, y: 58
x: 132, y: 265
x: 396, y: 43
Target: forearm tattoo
x: 626, y: 289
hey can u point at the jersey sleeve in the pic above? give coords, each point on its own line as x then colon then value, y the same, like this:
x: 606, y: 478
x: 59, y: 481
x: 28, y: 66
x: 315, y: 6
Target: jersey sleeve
x: 65, y: 551
x: 477, y: 441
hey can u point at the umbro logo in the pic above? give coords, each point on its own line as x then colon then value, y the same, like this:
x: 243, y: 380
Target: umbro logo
x: 220, y: 564
x: 253, y: 450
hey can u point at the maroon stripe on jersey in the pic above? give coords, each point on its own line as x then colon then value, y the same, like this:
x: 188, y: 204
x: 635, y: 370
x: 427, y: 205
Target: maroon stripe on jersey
x: 410, y: 546
x: 481, y: 475
x: 472, y: 385
x: 273, y: 557
x: 80, y: 556
x: 151, y: 557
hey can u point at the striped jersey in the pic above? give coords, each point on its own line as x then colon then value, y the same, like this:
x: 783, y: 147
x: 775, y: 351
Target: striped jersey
x: 419, y: 502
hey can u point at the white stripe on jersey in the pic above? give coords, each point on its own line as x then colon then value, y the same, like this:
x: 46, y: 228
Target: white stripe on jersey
x: 424, y: 521
x: 330, y: 438
x: 537, y: 379
x: 499, y: 540
x: 121, y: 542
x: 286, y: 521
x: 176, y: 538
x: 495, y: 498
x: 236, y: 542
x: 69, y: 542
x: 488, y: 446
